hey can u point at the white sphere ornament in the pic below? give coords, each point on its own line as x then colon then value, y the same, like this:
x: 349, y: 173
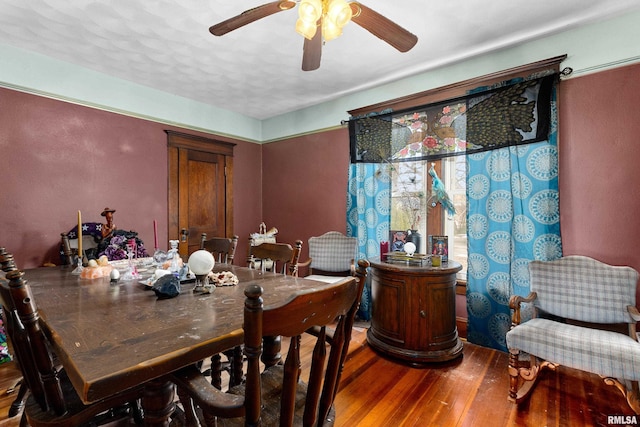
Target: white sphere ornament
x: 201, y: 262
x: 409, y: 248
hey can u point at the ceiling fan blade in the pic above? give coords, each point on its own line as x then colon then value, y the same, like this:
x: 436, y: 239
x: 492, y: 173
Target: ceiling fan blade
x: 249, y: 16
x: 382, y: 27
x: 312, y: 51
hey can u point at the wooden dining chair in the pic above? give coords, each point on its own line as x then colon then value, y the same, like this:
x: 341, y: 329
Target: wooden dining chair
x: 222, y: 248
x: 361, y: 273
x: 8, y: 264
x: 276, y: 257
x: 52, y: 400
x: 280, y: 394
x: 279, y: 258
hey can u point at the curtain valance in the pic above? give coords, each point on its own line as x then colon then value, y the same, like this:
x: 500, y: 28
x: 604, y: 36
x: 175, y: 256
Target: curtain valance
x: 513, y: 113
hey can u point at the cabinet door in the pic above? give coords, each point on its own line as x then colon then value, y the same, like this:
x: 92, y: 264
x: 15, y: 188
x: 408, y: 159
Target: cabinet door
x: 388, y: 308
x: 442, y: 332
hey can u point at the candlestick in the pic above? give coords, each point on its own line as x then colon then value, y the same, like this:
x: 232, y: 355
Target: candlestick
x: 155, y: 234
x: 79, y: 268
x: 384, y: 249
x: 80, y: 235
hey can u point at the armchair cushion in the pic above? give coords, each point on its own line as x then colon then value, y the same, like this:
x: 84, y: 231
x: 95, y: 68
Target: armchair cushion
x: 592, y: 350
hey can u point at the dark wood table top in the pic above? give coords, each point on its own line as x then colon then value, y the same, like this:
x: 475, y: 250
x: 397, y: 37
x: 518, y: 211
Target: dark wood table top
x: 112, y: 337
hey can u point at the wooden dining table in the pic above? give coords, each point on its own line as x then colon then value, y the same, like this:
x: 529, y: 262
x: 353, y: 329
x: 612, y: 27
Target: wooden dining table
x: 114, y: 336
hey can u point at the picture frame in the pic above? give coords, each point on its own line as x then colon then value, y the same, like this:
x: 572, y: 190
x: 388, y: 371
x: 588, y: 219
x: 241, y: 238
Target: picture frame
x: 397, y: 239
x: 439, y: 245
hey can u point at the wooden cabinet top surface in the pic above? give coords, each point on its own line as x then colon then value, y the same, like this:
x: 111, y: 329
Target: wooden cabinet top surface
x: 449, y: 267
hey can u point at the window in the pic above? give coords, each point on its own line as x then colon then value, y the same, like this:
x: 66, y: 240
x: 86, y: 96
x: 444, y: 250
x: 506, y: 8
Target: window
x: 444, y: 125
x: 412, y: 209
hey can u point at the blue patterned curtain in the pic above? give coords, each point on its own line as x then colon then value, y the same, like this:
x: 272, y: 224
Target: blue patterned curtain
x: 513, y: 218
x: 368, y: 215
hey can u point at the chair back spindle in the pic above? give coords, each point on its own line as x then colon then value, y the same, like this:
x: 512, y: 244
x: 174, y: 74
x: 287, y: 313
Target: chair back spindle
x: 67, y: 253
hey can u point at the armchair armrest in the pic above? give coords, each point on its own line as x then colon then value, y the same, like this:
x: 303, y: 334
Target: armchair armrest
x: 634, y: 313
x: 305, y: 263
x: 302, y: 265
x: 514, y: 304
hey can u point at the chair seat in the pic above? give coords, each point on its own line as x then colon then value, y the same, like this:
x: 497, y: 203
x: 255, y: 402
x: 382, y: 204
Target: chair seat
x: 272, y: 379
x: 572, y: 346
x: 325, y: 279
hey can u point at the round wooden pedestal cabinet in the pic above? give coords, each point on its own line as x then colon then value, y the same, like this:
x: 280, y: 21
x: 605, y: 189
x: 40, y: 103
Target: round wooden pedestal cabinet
x: 413, y: 312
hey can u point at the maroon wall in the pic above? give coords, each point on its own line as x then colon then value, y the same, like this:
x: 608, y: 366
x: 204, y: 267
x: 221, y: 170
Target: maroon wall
x: 58, y: 158
x: 599, y: 166
x: 305, y: 185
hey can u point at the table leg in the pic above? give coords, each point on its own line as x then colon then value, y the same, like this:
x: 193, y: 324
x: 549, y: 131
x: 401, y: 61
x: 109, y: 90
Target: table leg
x: 157, y: 403
x: 271, y: 347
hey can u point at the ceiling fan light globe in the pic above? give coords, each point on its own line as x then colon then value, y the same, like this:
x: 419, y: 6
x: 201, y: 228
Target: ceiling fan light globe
x: 339, y: 12
x: 310, y: 10
x: 306, y: 29
x: 330, y: 30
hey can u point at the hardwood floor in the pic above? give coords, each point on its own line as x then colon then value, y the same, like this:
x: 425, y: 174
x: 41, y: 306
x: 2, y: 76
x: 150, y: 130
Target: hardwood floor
x: 471, y: 391
x: 9, y: 375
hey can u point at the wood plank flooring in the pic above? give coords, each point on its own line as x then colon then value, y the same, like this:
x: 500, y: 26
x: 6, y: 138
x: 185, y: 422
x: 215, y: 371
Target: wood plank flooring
x: 471, y: 391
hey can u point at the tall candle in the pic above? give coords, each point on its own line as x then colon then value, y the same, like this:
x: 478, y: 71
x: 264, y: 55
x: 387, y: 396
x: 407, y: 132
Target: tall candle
x: 80, y: 235
x: 155, y: 234
x: 384, y: 249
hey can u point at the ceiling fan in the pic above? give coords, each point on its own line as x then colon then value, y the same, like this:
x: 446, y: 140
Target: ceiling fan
x: 329, y: 16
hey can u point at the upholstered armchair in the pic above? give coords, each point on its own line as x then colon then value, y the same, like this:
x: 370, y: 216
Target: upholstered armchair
x: 331, y: 257
x: 580, y: 306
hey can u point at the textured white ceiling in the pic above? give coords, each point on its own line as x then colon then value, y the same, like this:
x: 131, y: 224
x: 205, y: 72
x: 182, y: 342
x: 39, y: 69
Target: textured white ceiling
x: 256, y: 70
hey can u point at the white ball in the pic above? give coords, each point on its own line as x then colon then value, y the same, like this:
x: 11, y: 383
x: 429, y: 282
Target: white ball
x: 409, y: 248
x: 115, y: 274
x: 201, y: 262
